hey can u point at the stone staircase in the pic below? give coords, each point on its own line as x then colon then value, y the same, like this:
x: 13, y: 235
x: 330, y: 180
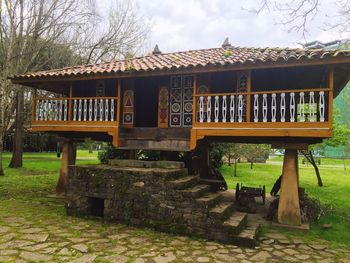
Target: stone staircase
x: 160, y: 195
x: 222, y: 222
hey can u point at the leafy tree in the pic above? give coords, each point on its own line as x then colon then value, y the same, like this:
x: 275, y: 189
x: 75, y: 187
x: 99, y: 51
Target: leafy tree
x: 341, y: 136
x: 255, y: 152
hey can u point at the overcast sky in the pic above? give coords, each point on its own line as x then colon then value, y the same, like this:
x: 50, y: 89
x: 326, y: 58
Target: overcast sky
x: 194, y: 24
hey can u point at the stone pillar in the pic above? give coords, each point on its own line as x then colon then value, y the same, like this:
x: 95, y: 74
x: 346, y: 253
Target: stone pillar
x: 288, y: 207
x: 69, y: 152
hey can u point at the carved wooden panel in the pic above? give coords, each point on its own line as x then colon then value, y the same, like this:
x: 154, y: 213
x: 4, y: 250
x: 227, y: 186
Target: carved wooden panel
x: 181, y: 101
x: 163, y: 107
x: 128, y: 108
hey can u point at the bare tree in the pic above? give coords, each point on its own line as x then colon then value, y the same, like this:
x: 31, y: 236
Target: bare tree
x: 299, y: 15
x: 30, y: 29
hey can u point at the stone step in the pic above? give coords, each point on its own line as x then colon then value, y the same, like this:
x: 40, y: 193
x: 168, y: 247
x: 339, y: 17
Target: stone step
x: 147, y: 164
x: 235, y: 223
x: 221, y: 211
x: 183, y: 182
x: 208, y: 200
x: 196, y: 191
x: 248, y: 236
x: 174, y: 174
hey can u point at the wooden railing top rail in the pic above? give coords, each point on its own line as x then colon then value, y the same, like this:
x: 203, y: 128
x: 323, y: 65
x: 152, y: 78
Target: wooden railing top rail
x: 75, y: 98
x: 261, y: 92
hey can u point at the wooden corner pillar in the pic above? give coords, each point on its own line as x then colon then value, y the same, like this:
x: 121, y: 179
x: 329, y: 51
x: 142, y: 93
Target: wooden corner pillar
x: 288, y: 207
x: 69, y: 151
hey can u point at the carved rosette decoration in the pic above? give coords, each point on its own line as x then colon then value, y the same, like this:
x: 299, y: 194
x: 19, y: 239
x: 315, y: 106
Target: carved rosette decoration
x: 181, y: 101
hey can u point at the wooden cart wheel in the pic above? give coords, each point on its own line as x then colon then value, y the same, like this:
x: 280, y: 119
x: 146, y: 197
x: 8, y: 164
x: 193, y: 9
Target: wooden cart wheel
x: 237, y: 191
x: 264, y: 195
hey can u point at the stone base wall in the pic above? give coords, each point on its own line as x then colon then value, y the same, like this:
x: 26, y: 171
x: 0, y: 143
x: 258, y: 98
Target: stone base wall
x: 136, y: 196
x: 165, y: 199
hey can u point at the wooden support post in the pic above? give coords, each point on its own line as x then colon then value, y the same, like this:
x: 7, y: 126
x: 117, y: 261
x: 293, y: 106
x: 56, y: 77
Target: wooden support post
x: 119, y: 102
x: 68, y: 158
x: 34, y: 117
x: 331, y: 90
x: 194, y: 102
x: 288, y: 207
x: 132, y: 154
x: 204, y: 162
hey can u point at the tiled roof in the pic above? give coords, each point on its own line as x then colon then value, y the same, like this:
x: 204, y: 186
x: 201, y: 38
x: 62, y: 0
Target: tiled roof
x: 233, y: 56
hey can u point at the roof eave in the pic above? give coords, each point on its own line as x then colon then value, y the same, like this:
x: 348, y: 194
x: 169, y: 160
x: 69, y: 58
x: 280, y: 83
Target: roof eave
x: 184, y: 70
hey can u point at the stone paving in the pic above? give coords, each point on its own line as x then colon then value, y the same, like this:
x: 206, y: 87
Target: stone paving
x: 40, y: 237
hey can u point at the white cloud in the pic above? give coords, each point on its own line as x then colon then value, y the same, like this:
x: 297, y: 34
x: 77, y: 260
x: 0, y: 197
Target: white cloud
x: 194, y: 24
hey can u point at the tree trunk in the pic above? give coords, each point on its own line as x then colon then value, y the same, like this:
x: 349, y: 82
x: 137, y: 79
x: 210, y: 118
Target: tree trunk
x: 251, y: 165
x: 235, y: 170
x: 2, y: 131
x: 1, y: 146
x: 17, y: 154
x: 308, y: 155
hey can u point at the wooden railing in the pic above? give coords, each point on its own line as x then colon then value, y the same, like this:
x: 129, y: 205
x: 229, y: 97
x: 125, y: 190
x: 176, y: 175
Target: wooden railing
x: 264, y: 106
x: 94, y: 109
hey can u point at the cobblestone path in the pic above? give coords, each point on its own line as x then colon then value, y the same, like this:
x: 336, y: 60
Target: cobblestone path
x: 38, y: 236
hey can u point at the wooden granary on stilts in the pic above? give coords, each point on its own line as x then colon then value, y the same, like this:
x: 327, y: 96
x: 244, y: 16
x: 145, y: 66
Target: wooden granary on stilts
x: 179, y: 101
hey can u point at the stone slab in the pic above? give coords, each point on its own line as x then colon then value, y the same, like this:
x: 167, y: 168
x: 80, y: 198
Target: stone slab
x: 303, y: 227
x: 147, y: 164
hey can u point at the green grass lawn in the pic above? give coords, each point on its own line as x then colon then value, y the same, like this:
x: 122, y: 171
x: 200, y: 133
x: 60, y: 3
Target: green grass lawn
x: 38, y: 178
x: 335, y: 193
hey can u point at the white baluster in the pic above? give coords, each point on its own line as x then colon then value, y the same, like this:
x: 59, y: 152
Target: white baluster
x: 55, y: 109
x: 224, y: 108
x: 75, y: 110
x: 45, y: 110
x: 283, y: 107
x: 50, y: 110
x: 264, y: 107
x: 65, y: 110
x: 101, y: 110
x: 302, y: 106
x: 37, y: 110
x: 312, y: 106
x: 80, y: 109
x: 112, y: 109
x: 273, y: 107
x: 209, y: 109
x: 95, y: 109
x: 216, y: 109
x: 322, y: 106
x: 90, y: 109
x: 60, y: 110
x: 256, y: 107
x: 201, y: 109
x: 292, y: 107
x: 42, y: 110
x: 240, y: 108
x: 106, y: 109
x: 85, y: 110
x: 232, y: 108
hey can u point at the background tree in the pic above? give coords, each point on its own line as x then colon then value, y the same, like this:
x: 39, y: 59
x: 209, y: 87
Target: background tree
x: 234, y: 151
x: 31, y: 31
x: 341, y: 136
x: 299, y: 15
x: 255, y: 152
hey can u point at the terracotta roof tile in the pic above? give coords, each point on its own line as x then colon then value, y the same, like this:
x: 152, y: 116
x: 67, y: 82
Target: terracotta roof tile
x: 194, y: 58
